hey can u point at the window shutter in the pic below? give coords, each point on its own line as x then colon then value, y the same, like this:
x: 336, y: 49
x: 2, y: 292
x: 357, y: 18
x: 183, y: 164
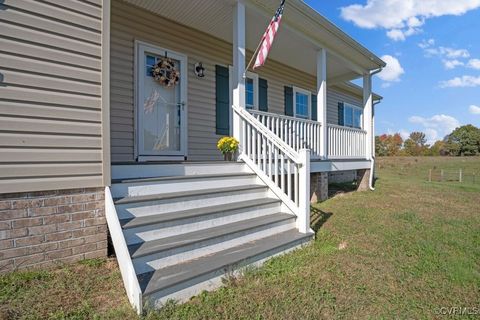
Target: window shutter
x: 262, y: 95
x: 222, y: 101
x: 340, y: 114
x: 314, y: 107
x: 288, y: 101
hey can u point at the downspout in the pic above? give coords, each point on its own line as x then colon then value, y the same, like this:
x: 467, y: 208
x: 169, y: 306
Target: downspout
x: 372, y: 165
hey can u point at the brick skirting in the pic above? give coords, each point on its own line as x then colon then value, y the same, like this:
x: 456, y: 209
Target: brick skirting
x: 43, y: 228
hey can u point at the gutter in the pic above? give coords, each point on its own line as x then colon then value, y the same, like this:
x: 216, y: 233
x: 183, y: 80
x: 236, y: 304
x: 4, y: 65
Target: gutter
x: 372, y: 165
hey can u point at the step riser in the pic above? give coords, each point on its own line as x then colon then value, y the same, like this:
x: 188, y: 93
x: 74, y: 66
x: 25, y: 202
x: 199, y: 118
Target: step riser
x: 182, y: 226
x: 197, y: 250
x: 180, y: 169
x: 184, y: 291
x: 144, y: 209
x: 120, y: 190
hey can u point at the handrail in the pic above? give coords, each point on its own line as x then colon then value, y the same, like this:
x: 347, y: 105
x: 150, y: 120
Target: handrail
x: 298, y: 133
x: 281, y: 116
x: 345, y: 128
x: 293, y: 155
x: 285, y: 171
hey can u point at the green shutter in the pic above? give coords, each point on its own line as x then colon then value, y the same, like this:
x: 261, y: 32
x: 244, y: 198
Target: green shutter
x: 262, y: 95
x: 222, y: 101
x: 288, y: 101
x: 340, y: 114
x: 314, y: 107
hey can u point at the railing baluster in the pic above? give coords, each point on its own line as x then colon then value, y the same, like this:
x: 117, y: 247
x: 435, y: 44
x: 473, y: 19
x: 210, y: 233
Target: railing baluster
x: 289, y: 180
x: 275, y: 155
x: 295, y: 170
x: 270, y: 160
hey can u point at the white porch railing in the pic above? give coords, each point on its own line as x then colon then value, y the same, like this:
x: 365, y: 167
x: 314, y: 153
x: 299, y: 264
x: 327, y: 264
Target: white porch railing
x: 285, y: 171
x: 297, y: 133
x: 345, y: 142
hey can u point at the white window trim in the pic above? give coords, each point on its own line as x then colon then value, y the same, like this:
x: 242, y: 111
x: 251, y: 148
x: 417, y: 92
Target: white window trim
x: 345, y: 104
x: 306, y: 92
x: 251, y: 75
x: 254, y: 77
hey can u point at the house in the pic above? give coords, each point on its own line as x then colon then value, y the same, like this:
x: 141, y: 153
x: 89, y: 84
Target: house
x: 91, y: 143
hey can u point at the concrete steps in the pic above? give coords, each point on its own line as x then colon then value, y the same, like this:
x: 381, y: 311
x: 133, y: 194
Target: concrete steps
x: 183, y: 233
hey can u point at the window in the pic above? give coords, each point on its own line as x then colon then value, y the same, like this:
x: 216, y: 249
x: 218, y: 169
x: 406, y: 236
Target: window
x: 249, y: 93
x: 302, y: 101
x: 352, y: 116
x: 150, y: 62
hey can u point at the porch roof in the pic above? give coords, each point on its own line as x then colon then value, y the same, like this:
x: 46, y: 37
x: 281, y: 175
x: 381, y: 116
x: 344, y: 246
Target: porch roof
x: 303, y: 32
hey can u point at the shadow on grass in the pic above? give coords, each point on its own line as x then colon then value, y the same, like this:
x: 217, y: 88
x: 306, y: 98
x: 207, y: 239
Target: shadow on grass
x: 318, y: 218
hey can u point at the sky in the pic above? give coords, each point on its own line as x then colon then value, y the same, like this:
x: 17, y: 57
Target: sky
x: 432, y: 50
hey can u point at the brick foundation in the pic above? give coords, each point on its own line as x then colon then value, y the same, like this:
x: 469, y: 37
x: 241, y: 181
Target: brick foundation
x: 342, y: 176
x: 43, y: 228
x: 363, y: 177
x: 318, y: 187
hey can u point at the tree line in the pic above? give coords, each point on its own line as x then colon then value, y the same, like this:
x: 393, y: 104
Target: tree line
x: 463, y: 141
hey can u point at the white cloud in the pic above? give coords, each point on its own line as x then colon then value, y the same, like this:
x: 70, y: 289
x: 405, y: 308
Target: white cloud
x: 474, y: 109
x: 430, y: 50
x: 404, y: 134
x: 474, y: 64
x: 437, y: 126
x: 392, y: 72
x: 452, y: 64
x: 464, y: 81
x: 403, y: 18
x: 427, y: 43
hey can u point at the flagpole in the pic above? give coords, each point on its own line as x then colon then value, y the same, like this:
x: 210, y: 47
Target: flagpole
x: 253, y: 57
x: 256, y: 50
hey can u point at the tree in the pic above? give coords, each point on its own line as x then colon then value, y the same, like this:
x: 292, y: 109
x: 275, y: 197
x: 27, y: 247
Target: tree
x: 464, y: 141
x: 418, y: 138
x: 439, y: 148
x: 388, y: 145
x: 415, y: 145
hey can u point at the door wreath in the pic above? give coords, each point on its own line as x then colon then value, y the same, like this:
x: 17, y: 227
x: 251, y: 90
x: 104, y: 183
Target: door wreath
x: 165, y: 72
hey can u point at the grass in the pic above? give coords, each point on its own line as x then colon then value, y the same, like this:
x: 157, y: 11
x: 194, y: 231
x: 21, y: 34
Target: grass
x: 402, y: 252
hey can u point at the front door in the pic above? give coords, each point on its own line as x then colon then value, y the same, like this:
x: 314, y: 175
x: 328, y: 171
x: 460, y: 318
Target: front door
x: 161, y: 109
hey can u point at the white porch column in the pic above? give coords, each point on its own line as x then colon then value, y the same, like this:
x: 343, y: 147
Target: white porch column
x: 368, y: 112
x: 238, y: 63
x: 322, y: 100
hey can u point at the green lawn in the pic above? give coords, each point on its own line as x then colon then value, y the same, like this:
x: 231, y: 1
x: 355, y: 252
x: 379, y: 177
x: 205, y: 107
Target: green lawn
x: 403, y: 251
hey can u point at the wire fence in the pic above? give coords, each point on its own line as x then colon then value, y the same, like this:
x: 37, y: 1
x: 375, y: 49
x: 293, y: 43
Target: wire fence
x: 453, y: 175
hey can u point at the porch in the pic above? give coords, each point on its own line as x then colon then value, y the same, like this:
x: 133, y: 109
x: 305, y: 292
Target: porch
x: 202, y: 112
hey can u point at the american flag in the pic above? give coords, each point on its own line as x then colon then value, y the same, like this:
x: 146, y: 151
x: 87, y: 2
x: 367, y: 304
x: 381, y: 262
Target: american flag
x: 269, y: 36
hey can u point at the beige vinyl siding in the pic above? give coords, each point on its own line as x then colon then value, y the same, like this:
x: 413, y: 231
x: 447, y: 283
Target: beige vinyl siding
x: 129, y: 23
x: 50, y: 95
x: 336, y: 95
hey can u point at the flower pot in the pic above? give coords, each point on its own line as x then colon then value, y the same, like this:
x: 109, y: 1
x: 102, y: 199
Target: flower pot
x: 228, y: 156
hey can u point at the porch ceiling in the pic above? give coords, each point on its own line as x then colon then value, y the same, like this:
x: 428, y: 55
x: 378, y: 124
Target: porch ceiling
x: 291, y: 46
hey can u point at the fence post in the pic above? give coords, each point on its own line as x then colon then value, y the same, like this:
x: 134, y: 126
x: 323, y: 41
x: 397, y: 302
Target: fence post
x: 441, y: 175
x: 303, y: 218
x: 430, y: 175
x: 460, y: 176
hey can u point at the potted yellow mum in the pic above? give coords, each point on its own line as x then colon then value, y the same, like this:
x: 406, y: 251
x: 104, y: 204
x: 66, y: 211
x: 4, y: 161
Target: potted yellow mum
x: 228, y: 146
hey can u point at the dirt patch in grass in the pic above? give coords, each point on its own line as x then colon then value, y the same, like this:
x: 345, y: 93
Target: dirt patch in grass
x: 402, y: 251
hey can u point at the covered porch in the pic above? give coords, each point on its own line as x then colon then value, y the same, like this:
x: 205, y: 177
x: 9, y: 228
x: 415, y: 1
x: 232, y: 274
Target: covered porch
x: 311, y: 59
